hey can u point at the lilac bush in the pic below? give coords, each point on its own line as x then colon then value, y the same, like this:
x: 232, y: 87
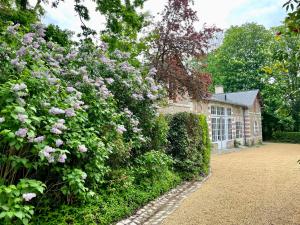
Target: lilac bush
x: 65, y: 111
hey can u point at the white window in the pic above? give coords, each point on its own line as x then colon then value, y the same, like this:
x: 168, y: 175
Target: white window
x: 229, y: 129
x: 229, y: 112
x: 213, y: 110
x: 256, y: 128
x: 239, y: 129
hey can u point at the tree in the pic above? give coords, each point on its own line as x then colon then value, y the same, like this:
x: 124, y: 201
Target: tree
x: 293, y: 18
x: 283, y: 76
x: 176, y: 45
x: 237, y: 63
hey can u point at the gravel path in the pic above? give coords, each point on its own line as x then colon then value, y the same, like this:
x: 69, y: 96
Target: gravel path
x: 256, y: 186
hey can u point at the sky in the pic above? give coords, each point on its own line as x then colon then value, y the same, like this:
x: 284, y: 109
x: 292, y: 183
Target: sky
x: 222, y: 13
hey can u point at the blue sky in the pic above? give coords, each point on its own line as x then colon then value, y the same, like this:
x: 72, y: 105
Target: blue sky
x: 222, y: 13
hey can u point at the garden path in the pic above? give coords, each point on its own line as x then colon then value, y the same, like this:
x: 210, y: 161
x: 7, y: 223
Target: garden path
x: 254, y: 186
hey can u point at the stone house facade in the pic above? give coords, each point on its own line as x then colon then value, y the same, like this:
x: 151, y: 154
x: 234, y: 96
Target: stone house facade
x: 233, y: 118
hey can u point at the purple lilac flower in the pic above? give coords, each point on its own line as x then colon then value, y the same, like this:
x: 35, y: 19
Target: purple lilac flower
x: 22, y: 117
x: 62, y: 158
x: 13, y: 29
x: 28, y: 196
x: 20, y: 65
x: 55, y: 131
x: 21, y: 52
x: 47, y: 151
x: 103, y: 46
x: 70, y: 89
x: 61, y: 121
x: 59, y: 126
x: 19, y: 87
x: 82, y: 148
x: 152, y: 72
x: 121, y: 129
x: 126, y: 67
x: 2, y: 119
x: 22, y: 132
x: 138, y: 96
x: 154, y: 88
x: 28, y: 38
x: 36, y: 45
x: 59, y: 142
x: 39, y: 139
x: 70, y: 112
x: 109, y: 80
x: 56, y: 111
x: 151, y: 96
x: 135, y: 122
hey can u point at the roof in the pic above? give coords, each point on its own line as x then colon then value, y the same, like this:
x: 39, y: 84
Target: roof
x: 242, y: 98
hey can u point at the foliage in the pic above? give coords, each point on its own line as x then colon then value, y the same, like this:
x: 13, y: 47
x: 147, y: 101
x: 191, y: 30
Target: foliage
x: 189, y: 144
x: 67, y: 112
x: 176, y: 44
x: 290, y: 137
x: 55, y: 34
x: 111, y: 207
x: 292, y: 20
x: 237, y: 63
x: 153, y: 165
x: 13, y: 201
x: 282, y: 80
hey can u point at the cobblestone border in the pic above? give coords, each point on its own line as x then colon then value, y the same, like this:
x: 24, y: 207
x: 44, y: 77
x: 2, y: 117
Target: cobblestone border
x: 156, y: 211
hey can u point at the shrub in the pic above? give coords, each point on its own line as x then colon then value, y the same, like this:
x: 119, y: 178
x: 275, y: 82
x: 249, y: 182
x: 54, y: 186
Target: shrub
x: 290, y: 137
x: 69, y: 115
x: 189, y: 144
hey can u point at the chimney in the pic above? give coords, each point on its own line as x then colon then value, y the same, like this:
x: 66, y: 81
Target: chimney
x: 219, y: 89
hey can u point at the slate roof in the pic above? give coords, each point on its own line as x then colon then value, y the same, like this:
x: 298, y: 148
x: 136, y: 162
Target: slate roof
x: 243, y: 98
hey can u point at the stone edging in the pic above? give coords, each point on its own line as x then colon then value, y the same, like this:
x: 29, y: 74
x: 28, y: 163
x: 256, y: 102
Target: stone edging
x: 157, y: 210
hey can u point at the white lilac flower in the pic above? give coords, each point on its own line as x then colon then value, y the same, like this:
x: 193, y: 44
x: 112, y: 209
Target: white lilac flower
x: 135, y: 122
x: 138, y: 96
x: 82, y: 148
x: 46, y: 104
x: 62, y: 158
x: 59, y: 142
x: 70, y: 112
x: 39, y: 139
x: 84, y: 176
x: 22, y: 132
x: 22, y: 94
x: 19, y: 87
x: 56, y: 111
x: 109, y: 80
x: 55, y: 131
x: 2, y: 119
x: 121, y: 129
x: 136, y: 130
x: 53, y: 80
x: 22, y: 117
x: 28, y: 196
x: 50, y: 159
x: 128, y: 112
x: 21, y: 101
x: 142, y: 139
x: 70, y: 89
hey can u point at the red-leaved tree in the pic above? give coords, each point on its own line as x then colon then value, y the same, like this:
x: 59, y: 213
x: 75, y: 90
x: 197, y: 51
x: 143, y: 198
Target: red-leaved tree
x: 179, y: 43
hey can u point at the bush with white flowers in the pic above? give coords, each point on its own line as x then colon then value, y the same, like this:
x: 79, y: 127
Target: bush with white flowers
x: 64, y: 113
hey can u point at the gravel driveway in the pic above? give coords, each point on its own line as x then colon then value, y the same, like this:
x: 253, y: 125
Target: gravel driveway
x: 255, y: 186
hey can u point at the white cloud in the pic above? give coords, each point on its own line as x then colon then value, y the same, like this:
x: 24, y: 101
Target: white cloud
x: 222, y: 13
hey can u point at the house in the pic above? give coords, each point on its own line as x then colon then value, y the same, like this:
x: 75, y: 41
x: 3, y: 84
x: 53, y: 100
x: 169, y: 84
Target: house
x: 233, y: 118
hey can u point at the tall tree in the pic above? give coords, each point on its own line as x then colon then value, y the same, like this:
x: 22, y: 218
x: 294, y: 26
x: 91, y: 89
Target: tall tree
x: 178, y: 43
x: 237, y: 63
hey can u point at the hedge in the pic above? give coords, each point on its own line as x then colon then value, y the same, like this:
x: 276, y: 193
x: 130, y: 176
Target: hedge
x: 189, y: 144
x: 289, y: 137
